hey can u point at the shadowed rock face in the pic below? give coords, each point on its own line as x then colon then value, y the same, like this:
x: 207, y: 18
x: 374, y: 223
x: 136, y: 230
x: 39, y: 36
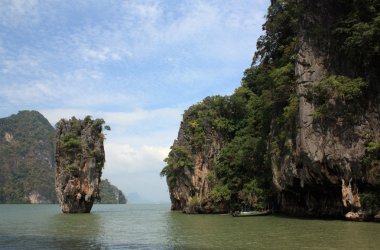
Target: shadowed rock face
x: 325, y: 175
x: 79, y: 160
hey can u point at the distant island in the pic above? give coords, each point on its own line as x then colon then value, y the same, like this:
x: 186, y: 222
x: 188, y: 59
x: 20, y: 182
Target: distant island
x: 27, y: 162
x: 110, y: 194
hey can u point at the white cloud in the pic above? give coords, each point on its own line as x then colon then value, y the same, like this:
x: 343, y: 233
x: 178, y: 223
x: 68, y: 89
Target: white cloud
x: 123, y: 158
x: 54, y: 115
x: 147, y: 11
x: 141, y: 115
x: 32, y: 92
x: 19, y: 65
x: 25, y: 64
x: 114, y: 61
x: 14, y: 12
x: 103, y: 54
x: 82, y: 74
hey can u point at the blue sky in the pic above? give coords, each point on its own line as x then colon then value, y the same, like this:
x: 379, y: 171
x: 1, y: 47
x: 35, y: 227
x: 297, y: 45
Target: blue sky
x: 136, y: 63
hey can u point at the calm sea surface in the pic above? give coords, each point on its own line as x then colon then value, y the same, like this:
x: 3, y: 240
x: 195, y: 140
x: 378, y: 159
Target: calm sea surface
x: 155, y: 227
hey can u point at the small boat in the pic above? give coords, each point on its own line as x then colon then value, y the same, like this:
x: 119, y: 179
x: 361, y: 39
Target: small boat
x: 251, y: 213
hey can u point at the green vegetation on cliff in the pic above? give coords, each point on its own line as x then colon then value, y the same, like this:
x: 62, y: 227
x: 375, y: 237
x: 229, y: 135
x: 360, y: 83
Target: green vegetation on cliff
x: 259, y: 120
x: 241, y: 176
x: 79, y: 158
x: 26, y: 159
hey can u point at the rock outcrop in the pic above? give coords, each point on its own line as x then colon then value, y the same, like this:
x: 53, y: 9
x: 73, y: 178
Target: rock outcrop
x: 79, y: 162
x: 326, y: 175
x: 311, y: 105
x: 191, y: 164
x: 192, y: 186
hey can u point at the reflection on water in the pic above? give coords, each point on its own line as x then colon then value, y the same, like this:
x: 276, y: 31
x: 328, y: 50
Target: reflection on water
x: 44, y: 226
x: 75, y: 230
x: 269, y: 232
x: 155, y: 227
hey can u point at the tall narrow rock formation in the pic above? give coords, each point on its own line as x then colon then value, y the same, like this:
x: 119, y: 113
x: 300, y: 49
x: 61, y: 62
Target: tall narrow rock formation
x: 79, y: 162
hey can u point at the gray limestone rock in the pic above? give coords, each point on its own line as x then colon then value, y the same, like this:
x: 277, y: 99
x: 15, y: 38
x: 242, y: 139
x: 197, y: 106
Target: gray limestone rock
x: 79, y: 162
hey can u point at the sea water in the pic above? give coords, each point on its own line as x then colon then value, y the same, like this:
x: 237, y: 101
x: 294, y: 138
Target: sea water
x: 152, y: 226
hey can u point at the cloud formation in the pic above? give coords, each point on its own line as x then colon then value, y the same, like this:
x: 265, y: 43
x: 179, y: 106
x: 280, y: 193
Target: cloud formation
x: 138, y: 64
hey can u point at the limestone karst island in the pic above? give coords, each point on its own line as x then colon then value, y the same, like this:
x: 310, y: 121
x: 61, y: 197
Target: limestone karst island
x: 79, y: 158
x: 301, y: 134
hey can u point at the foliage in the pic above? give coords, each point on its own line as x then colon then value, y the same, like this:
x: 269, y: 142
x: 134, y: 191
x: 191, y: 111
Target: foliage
x: 372, y: 154
x: 335, y: 91
x: 252, y: 196
x: 356, y: 35
x: 373, y: 147
x: 71, y: 142
x: 87, y: 119
x: 179, y: 157
x: 259, y: 119
x: 212, y: 117
x: 370, y: 200
x: 194, y: 201
x: 269, y: 100
x: 242, y: 171
x: 71, y: 169
x: 340, y: 88
x: 220, y: 194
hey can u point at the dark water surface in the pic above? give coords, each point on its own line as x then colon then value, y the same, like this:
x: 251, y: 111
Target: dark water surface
x: 155, y: 227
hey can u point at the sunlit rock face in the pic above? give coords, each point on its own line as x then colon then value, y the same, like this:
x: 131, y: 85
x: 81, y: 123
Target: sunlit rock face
x: 79, y: 157
x: 192, y: 165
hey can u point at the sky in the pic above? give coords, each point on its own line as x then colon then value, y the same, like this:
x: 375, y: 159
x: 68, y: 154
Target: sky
x: 136, y: 63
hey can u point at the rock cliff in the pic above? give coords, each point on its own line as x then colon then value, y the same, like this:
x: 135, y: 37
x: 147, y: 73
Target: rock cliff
x: 307, y: 140
x: 191, y: 162
x: 79, y: 161
x: 329, y: 172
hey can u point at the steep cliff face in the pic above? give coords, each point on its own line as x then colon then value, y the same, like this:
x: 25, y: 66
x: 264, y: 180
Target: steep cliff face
x: 191, y: 163
x: 310, y: 120
x: 26, y: 159
x: 79, y: 162
x: 332, y: 165
x: 191, y: 186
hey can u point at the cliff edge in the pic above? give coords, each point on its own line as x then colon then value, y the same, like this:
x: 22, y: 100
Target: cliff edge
x: 301, y: 134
